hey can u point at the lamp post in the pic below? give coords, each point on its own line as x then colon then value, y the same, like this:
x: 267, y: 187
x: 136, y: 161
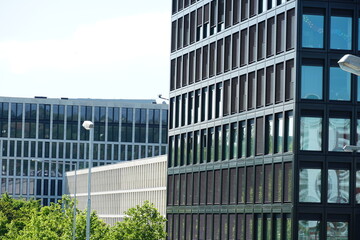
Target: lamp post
x: 88, y: 125
x: 350, y: 63
x: 75, y: 189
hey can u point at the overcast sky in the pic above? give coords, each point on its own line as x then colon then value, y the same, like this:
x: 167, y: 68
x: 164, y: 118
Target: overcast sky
x: 84, y: 48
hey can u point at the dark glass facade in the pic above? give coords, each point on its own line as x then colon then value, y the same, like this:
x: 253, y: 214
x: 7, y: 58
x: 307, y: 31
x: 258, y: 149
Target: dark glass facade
x: 259, y: 113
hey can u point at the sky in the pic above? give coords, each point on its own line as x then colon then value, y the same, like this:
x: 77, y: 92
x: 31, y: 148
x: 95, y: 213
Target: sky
x: 109, y: 49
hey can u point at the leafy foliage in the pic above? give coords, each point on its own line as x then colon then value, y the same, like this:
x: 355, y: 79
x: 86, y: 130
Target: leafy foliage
x: 142, y: 222
x: 28, y: 220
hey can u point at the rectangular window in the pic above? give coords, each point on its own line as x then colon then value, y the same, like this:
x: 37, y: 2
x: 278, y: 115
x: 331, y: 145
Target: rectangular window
x: 279, y: 133
x: 249, y: 184
x: 312, y: 80
x: 234, y: 95
x: 288, y: 186
x: 242, y: 93
x: 244, y: 9
x: 261, y: 41
x: 198, y: 65
x: 217, y: 186
x: 269, y: 135
x: 279, y: 83
x: 227, y: 98
x: 228, y: 13
x: 233, y: 141
x: 290, y: 29
x: 252, y: 44
x: 309, y: 185
x: 251, y: 91
x: 191, y: 67
x: 235, y: 50
x: 339, y: 133
x: 227, y: 54
x: 278, y: 182
x: 205, y: 64
x: 241, y: 185
x: 268, y: 178
x: 340, y: 84
x: 212, y: 59
x: 341, y: 30
x: 270, y: 82
x: 259, y: 184
x: 179, y: 33
x: 338, y: 186
x: 243, y: 47
x: 309, y: 229
x: 242, y: 139
x: 280, y: 33
x: 337, y: 230
x: 270, y: 43
x: 251, y: 138
x: 259, y: 136
x: 289, y: 80
x: 260, y: 80
x: 233, y: 186
x: 219, y: 56
x: 311, y: 133
x: 186, y: 30
x: 289, y: 131
x: 313, y: 28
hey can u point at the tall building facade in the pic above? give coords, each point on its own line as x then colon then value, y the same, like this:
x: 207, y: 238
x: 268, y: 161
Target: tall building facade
x: 49, y: 130
x: 259, y: 113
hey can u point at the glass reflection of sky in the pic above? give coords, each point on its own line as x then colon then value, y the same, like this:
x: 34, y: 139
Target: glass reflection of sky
x: 311, y: 82
x: 339, y: 84
x: 313, y: 31
x: 340, y: 30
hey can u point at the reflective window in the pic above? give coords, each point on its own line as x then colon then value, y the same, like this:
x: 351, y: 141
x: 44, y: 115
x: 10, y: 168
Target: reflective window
x: 338, y: 186
x: 313, y: 31
x: 340, y: 84
x: 357, y: 187
x: 310, y: 185
x: 339, y: 133
x: 358, y: 87
x: 340, y: 32
x: 337, y: 230
x: 312, y: 82
x: 311, y: 133
x: 309, y: 229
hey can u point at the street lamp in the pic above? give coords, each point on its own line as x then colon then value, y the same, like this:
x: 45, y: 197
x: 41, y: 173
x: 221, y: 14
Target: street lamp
x: 88, y: 125
x: 75, y: 189
x: 350, y: 63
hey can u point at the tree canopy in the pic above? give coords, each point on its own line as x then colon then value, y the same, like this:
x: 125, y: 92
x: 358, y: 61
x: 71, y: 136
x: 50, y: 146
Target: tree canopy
x: 28, y: 220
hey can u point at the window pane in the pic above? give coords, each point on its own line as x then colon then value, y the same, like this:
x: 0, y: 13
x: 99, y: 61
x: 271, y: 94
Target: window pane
x: 340, y: 84
x: 340, y: 32
x: 357, y: 187
x: 309, y: 229
x: 339, y: 133
x: 311, y: 82
x: 337, y: 230
x: 313, y: 31
x: 310, y: 185
x: 338, y: 186
x: 311, y: 133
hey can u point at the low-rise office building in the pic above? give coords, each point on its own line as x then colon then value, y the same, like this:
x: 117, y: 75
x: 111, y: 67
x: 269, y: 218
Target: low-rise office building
x: 117, y: 187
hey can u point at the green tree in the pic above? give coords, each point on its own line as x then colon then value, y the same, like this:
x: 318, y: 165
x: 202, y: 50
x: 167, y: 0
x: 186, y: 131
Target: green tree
x: 142, y: 222
x: 27, y: 220
x: 15, y: 213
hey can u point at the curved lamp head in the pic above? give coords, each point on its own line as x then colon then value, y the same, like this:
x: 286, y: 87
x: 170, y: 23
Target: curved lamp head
x: 350, y: 63
x: 88, y: 125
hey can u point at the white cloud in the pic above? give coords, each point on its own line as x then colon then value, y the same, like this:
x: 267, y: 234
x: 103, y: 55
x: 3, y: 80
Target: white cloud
x: 110, y: 42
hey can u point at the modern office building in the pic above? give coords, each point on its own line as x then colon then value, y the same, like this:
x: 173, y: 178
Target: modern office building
x: 259, y: 113
x: 49, y: 130
x: 117, y: 187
